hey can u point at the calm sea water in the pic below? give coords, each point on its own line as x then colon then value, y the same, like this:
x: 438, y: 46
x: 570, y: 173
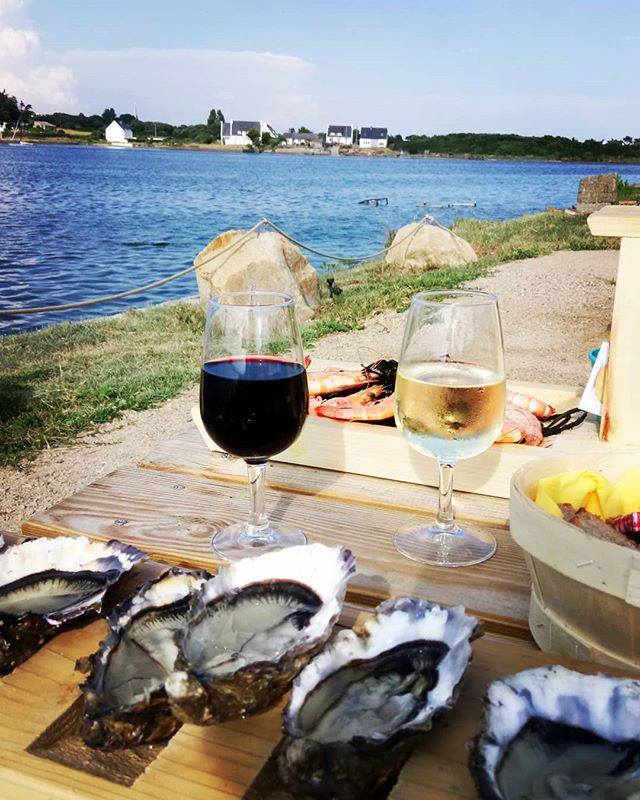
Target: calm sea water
x: 77, y: 222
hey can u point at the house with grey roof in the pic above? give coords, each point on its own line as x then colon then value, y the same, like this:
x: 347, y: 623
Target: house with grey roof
x: 235, y: 131
x: 339, y: 134
x: 293, y: 139
x: 371, y: 138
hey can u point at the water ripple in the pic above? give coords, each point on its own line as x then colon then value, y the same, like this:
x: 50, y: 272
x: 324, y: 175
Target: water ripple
x: 79, y: 222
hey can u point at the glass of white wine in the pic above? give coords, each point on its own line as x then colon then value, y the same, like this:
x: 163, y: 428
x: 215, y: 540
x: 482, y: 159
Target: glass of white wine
x: 450, y: 399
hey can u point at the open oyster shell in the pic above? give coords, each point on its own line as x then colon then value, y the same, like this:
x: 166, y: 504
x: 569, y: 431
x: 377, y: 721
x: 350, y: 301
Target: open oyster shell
x: 559, y: 735
x: 358, y: 708
x: 253, y: 627
x: 46, y: 583
x: 124, y: 698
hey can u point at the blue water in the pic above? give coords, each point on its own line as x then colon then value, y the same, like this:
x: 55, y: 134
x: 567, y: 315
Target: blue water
x: 78, y: 222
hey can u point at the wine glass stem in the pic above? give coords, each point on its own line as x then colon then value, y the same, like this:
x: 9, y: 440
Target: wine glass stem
x: 445, y: 518
x: 258, y: 524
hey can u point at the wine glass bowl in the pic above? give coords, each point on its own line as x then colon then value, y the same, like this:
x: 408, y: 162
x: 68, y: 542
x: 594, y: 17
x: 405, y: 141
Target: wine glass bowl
x: 253, y: 401
x: 450, y: 400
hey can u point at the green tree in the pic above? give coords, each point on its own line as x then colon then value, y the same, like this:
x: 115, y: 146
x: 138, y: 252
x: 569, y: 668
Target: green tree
x: 27, y: 113
x: 108, y: 115
x: 266, y: 139
x: 214, y: 122
x: 8, y: 108
x: 302, y: 129
x: 256, y: 142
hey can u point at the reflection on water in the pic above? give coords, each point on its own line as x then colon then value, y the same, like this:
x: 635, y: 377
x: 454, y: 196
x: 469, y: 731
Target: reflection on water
x: 78, y: 221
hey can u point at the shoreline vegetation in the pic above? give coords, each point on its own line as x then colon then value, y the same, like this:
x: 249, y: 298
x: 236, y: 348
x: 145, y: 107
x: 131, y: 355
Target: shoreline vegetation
x: 74, y: 139
x: 64, y: 380
x: 63, y: 128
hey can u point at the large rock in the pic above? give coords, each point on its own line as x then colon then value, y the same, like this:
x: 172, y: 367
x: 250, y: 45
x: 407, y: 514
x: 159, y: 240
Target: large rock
x: 265, y: 262
x: 597, y: 191
x: 423, y: 246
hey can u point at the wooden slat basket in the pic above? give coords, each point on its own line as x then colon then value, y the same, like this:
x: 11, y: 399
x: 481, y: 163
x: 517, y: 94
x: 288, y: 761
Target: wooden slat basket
x: 585, y: 599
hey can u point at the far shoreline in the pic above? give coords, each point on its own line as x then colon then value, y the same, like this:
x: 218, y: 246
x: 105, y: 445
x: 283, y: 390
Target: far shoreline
x: 308, y: 152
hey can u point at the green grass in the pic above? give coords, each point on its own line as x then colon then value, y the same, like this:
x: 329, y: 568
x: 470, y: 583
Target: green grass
x: 627, y: 191
x: 66, y: 379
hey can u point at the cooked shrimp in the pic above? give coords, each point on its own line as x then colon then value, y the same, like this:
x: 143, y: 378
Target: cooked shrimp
x: 536, y: 407
x: 333, y: 380
x: 520, y: 426
x: 367, y: 405
x: 327, y: 381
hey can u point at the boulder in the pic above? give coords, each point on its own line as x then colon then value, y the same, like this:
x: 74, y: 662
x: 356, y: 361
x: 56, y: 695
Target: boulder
x: 597, y: 191
x: 424, y: 246
x: 265, y: 262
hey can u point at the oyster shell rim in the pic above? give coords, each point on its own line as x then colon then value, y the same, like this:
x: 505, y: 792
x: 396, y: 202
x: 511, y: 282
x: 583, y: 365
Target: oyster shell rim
x: 486, y: 749
x: 123, y: 615
x: 350, y: 645
x: 279, y: 673
x: 22, y: 635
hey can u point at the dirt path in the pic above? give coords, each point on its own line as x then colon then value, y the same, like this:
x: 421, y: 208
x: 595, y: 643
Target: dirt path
x: 555, y: 309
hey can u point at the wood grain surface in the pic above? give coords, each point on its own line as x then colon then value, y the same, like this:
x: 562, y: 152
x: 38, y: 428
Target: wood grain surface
x: 171, y: 512
x: 220, y: 762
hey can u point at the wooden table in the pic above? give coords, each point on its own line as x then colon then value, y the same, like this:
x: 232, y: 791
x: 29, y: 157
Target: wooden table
x: 170, y: 505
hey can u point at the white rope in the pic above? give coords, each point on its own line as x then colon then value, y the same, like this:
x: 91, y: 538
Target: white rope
x: 215, y: 254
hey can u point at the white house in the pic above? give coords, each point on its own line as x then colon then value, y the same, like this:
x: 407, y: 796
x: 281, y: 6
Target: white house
x: 235, y: 131
x: 293, y: 139
x: 340, y: 134
x: 45, y: 126
x: 118, y: 134
x: 371, y: 138
x: 3, y: 127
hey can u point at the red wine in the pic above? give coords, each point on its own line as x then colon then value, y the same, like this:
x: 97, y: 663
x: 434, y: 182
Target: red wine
x: 253, y: 407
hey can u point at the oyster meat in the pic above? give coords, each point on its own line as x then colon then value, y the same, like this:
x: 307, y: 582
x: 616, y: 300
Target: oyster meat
x: 252, y: 628
x: 124, y: 698
x: 357, y: 710
x: 46, y: 583
x: 554, y: 734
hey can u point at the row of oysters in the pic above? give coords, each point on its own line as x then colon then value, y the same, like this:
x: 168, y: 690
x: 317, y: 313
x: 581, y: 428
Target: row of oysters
x: 191, y: 647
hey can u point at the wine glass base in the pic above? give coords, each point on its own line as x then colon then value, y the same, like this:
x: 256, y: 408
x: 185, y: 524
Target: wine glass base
x: 235, y: 541
x: 462, y: 547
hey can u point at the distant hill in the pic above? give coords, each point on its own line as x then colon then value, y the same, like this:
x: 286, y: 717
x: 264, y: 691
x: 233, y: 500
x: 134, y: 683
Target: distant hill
x: 510, y: 145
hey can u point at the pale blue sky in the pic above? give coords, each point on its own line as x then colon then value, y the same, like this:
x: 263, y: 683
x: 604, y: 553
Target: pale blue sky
x: 526, y: 67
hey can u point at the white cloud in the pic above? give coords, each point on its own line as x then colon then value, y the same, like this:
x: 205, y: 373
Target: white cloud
x: 174, y: 85
x: 16, y: 43
x: 26, y: 71
x: 182, y: 85
x: 10, y: 7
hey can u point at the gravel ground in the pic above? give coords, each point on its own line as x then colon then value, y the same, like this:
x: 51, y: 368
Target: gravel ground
x: 555, y: 309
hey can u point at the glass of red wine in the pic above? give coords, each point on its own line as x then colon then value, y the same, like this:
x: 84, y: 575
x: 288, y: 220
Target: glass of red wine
x: 253, y: 402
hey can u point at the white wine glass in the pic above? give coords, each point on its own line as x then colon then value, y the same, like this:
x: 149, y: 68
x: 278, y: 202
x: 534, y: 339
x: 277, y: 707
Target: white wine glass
x: 450, y: 400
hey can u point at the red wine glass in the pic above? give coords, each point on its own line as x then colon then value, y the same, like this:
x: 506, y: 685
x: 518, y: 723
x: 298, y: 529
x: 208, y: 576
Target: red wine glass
x: 253, y: 402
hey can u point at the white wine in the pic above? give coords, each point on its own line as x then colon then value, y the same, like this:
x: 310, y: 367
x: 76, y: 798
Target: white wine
x: 449, y: 410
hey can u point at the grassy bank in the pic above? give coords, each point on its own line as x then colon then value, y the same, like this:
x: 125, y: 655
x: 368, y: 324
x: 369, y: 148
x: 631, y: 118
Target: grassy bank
x: 65, y: 379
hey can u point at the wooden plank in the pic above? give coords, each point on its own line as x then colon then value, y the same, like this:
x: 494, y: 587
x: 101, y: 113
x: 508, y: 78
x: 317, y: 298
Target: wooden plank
x: 173, y: 519
x: 620, y: 418
x: 219, y: 762
x: 358, y: 447
x: 615, y: 221
x: 187, y: 454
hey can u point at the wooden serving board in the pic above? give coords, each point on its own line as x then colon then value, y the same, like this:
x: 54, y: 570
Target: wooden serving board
x: 382, y: 452
x: 218, y: 762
